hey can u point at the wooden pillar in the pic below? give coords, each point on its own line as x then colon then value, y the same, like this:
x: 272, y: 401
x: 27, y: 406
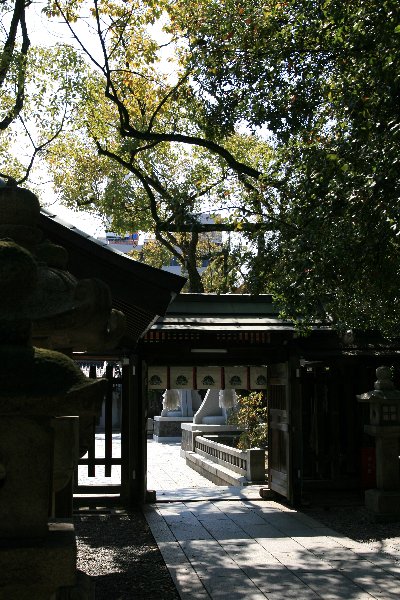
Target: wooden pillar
x: 133, y: 434
x: 125, y: 431
x: 296, y: 432
x: 139, y: 433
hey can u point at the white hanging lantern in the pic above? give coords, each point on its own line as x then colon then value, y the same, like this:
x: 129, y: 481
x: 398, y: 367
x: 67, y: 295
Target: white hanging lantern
x: 227, y: 398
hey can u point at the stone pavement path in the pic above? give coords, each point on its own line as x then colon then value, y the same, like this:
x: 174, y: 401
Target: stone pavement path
x: 256, y: 549
x: 167, y: 470
x: 221, y: 542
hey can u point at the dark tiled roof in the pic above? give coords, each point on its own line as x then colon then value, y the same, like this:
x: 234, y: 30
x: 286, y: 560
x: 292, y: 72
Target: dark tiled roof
x: 142, y: 292
x: 228, y: 312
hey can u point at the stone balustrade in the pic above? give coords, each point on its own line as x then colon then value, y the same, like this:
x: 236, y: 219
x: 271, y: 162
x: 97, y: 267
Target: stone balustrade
x: 248, y: 463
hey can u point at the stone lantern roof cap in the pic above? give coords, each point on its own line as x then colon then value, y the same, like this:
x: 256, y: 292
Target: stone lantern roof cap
x: 384, y: 389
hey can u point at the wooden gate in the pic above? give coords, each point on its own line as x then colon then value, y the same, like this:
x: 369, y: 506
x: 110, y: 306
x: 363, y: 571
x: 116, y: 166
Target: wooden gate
x: 125, y: 376
x: 284, y: 447
x: 279, y: 439
x: 102, y: 453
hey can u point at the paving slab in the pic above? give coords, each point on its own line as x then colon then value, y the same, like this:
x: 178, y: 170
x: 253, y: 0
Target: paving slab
x: 227, y: 542
x: 220, y: 542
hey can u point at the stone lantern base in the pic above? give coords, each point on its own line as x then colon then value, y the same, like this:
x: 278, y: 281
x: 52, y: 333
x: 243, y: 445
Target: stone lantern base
x: 384, y: 505
x: 44, y: 569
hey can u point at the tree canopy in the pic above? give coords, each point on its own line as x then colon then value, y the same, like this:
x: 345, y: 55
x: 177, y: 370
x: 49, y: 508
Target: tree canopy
x: 39, y: 86
x: 284, y: 115
x: 137, y: 152
x: 219, y: 262
x: 323, y: 78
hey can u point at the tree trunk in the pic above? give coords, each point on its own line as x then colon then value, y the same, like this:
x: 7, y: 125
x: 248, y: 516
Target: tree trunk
x: 195, y: 282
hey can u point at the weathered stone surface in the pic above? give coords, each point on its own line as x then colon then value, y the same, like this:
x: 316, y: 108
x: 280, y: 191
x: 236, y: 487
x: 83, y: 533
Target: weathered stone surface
x: 256, y: 466
x: 85, y: 399
x: 383, y: 503
x: 19, y: 212
x: 188, y: 438
x: 191, y: 430
x: 34, y: 284
x: 66, y: 446
x: 169, y: 427
x: 84, y: 589
x: 30, y: 373
x: 38, y: 451
x: 26, y: 453
x: 384, y: 426
x: 210, y: 408
x: 35, y: 571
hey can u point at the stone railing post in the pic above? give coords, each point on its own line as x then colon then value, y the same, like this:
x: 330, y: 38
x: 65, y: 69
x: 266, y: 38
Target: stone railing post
x: 256, y: 464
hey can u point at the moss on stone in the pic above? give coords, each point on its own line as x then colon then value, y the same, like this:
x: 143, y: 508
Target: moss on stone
x: 37, y: 372
x: 18, y: 277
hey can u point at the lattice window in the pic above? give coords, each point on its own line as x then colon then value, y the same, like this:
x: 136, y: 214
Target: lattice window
x: 389, y: 412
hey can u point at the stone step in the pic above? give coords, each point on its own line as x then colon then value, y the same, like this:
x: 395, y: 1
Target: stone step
x: 213, y: 471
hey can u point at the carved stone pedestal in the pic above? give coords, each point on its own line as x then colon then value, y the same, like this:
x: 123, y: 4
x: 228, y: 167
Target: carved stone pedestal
x: 26, y: 451
x: 36, y: 568
x: 168, y: 429
x: 383, y: 504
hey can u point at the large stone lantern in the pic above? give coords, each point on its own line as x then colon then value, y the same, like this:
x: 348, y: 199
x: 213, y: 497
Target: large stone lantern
x: 384, y: 401
x: 46, y: 403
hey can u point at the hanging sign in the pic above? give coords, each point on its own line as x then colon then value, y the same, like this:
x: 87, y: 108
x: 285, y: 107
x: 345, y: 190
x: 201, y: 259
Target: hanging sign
x: 157, y: 378
x: 240, y: 378
x: 236, y: 378
x: 208, y: 378
x: 181, y: 378
x: 258, y: 378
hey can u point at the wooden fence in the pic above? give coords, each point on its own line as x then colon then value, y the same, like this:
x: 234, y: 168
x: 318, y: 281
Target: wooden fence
x: 109, y: 423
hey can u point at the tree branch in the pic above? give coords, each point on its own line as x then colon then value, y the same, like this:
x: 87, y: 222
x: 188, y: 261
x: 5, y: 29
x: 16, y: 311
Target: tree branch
x: 206, y: 189
x: 152, y: 182
x: 170, y: 245
x: 196, y: 226
x: 128, y: 131
x: 6, y: 59
x: 142, y: 178
x: 38, y: 149
x: 166, y: 98
x: 9, y: 46
x: 77, y: 39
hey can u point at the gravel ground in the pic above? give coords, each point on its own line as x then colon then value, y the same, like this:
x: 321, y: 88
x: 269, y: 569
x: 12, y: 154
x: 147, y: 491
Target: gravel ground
x: 355, y: 522
x: 120, y: 554
x: 118, y: 551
